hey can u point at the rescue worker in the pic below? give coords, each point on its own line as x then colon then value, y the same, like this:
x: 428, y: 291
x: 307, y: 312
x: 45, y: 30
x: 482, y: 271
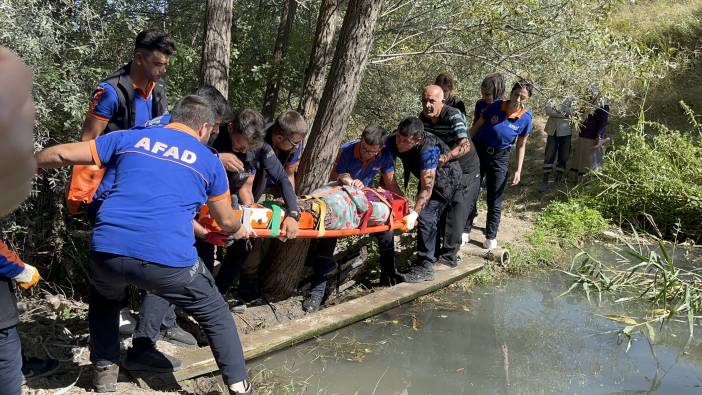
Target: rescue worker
x: 144, y: 234
x: 357, y: 165
x: 421, y: 154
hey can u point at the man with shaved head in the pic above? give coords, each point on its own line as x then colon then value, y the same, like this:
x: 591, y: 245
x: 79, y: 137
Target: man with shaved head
x: 450, y: 126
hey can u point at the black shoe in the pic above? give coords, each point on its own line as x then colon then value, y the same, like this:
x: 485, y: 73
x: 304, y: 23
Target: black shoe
x: 442, y: 264
x: 418, y: 274
x: 149, y: 359
x: 312, y: 303
x: 178, y: 336
x: 105, y: 377
x: 388, y: 280
x: 38, y: 367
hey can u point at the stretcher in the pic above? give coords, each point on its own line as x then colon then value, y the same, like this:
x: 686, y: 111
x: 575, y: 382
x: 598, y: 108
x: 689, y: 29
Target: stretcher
x: 264, y: 220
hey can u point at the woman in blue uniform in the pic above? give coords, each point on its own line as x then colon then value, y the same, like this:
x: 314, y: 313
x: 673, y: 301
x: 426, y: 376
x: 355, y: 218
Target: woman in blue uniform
x: 500, y: 125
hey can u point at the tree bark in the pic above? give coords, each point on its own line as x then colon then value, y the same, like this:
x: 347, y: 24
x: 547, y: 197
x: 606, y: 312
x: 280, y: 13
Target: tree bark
x: 270, y: 98
x: 217, y: 48
x: 285, y: 262
x: 320, y: 57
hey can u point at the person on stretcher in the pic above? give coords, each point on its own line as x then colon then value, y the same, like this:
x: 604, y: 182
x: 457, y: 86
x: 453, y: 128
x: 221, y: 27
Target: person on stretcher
x: 244, y: 138
x: 357, y: 165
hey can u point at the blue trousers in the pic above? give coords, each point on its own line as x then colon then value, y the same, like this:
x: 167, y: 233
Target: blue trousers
x: 10, y: 362
x: 494, y: 164
x: 191, y: 288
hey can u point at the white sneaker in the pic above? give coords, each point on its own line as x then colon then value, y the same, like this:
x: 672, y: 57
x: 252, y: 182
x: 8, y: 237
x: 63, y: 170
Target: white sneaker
x: 127, y: 322
x: 490, y: 244
x: 465, y: 239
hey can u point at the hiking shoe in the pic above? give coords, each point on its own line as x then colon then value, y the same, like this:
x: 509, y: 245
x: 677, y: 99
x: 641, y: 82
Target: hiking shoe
x: 105, y: 377
x: 312, y: 303
x: 38, y: 367
x: 490, y: 244
x: 178, y: 336
x: 149, y: 359
x: 249, y: 389
x: 127, y: 322
x: 465, y: 239
x: 418, y: 274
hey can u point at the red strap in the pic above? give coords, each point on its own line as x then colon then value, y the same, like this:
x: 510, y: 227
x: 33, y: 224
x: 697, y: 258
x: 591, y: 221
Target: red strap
x: 366, y: 217
x: 383, y: 200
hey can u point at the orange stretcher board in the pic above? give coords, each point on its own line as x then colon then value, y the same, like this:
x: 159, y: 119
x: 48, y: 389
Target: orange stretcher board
x: 260, y: 221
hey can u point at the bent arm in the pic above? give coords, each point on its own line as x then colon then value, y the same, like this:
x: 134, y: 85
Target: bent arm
x: 92, y: 128
x: 246, y: 196
x: 272, y: 166
x: 388, y: 182
x: 67, y: 154
x: 476, y: 126
x: 459, y: 150
x: 221, y: 210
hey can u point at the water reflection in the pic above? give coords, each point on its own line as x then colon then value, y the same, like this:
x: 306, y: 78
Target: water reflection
x: 520, y: 338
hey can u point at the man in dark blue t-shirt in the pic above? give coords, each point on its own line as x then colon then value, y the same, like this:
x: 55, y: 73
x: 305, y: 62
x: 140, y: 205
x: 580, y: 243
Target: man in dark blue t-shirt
x: 357, y: 165
x: 439, y: 182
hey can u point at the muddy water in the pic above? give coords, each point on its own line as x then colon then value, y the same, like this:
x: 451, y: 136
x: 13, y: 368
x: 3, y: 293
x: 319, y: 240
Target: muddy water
x: 515, y: 338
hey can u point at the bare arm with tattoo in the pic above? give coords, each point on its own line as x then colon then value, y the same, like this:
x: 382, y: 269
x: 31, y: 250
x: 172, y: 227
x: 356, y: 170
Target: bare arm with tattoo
x: 462, y: 148
x: 426, y: 186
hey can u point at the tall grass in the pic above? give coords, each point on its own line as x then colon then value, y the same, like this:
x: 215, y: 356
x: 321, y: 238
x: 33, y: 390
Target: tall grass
x: 653, y: 177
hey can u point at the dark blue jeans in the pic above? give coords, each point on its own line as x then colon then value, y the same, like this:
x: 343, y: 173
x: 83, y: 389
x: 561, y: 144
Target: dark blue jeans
x: 457, y: 214
x: 10, y: 362
x: 494, y: 164
x: 191, y: 288
x: 427, y: 231
x: 557, y: 147
x: 324, y: 259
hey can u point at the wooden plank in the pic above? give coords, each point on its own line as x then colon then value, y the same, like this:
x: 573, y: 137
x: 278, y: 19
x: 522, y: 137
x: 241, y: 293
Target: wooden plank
x: 199, y: 362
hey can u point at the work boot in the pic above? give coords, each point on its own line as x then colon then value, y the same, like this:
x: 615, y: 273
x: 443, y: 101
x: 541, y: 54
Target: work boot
x: 559, y: 178
x: 312, y: 302
x: 443, y: 265
x: 178, y: 336
x: 105, y: 377
x: 419, y: 273
x: 149, y: 359
x: 38, y: 367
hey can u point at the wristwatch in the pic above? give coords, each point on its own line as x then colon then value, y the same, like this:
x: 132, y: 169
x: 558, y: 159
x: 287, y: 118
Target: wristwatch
x: 294, y: 215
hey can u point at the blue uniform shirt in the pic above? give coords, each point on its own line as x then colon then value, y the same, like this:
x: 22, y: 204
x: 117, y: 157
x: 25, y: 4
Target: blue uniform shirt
x: 349, y: 161
x: 162, y: 177
x: 105, y: 103
x: 500, y: 132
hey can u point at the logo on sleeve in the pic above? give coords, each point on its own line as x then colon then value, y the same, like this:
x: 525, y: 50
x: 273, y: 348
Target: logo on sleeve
x: 495, y: 119
x: 165, y: 151
x: 96, y: 98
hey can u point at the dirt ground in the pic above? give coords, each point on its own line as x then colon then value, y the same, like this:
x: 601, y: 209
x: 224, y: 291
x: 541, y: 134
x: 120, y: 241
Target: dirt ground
x: 56, y: 326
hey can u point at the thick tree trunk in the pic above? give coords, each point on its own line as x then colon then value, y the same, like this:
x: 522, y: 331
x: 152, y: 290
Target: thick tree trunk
x: 320, y: 57
x: 286, y: 261
x: 216, y: 51
x: 270, y: 98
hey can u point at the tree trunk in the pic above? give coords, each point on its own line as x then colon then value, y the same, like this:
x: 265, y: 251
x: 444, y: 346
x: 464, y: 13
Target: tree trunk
x: 270, y: 98
x: 216, y: 51
x: 285, y: 262
x: 320, y: 57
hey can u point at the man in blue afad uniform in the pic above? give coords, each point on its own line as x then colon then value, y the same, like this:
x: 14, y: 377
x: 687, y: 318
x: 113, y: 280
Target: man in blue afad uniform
x: 143, y: 234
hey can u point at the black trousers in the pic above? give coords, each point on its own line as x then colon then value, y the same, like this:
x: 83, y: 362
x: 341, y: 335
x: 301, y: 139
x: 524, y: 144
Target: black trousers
x: 324, y: 259
x: 457, y: 212
x: 10, y: 362
x: 494, y: 164
x: 191, y: 288
x: 427, y: 229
